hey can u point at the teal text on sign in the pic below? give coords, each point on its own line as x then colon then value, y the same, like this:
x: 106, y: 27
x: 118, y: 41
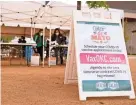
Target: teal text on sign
x: 106, y: 85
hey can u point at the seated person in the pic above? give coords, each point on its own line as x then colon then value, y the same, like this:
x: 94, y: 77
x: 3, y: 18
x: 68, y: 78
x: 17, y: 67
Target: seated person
x: 22, y: 40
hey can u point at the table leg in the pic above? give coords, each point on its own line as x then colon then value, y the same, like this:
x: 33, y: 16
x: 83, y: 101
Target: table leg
x: 21, y: 54
x: 10, y: 56
x: 26, y: 55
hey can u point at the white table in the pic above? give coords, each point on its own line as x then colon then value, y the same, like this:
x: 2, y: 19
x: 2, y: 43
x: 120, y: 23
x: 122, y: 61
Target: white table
x: 20, y: 44
x: 65, y: 46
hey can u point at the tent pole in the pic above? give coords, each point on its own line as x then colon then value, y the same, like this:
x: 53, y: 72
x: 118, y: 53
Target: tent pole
x: 78, y: 5
x: 0, y: 40
x: 50, y: 47
x: 43, y: 39
x: 0, y: 25
x: 43, y: 45
x: 31, y: 29
x: 34, y: 28
x: 50, y: 42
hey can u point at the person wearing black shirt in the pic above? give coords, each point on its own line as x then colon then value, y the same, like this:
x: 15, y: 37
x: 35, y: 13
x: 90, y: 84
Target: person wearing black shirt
x: 58, y: 37
x: 22, y: 40
x: 47, y: 49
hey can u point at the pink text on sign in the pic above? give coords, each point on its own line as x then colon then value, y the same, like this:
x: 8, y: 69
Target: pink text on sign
x: 101, y: 58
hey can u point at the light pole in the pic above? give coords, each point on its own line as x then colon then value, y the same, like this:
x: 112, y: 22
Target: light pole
x: 78, y: 5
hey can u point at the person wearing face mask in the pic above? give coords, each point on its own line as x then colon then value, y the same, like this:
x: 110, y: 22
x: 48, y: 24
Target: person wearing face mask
x: 58, y: 37
x: 38, y: 38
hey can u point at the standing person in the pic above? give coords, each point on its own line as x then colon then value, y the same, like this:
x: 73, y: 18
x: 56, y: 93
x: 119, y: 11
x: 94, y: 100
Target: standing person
x: 47, y: 48
x: 38, y: 38
x: 58, y: 37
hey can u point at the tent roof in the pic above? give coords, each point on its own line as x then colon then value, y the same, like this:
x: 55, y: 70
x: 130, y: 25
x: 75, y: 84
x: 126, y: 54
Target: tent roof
x: 23, y: 13
x: 56, y: 13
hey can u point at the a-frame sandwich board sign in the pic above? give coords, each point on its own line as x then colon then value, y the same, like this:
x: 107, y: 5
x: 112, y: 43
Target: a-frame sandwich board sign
x: 97, y: 53
x: 71, y: 67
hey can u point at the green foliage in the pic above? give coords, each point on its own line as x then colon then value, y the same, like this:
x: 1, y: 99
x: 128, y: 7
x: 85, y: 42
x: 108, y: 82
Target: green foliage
x: 97, y: 4
x: 6, y: 38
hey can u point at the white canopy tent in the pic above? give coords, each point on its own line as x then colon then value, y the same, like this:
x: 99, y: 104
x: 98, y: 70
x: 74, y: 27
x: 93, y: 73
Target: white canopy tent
x: 23, y: 13
x: 37, y: 14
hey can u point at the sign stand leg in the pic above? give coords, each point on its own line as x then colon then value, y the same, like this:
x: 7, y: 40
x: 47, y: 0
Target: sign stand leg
x: 132, y: 96
x: 82, y: 98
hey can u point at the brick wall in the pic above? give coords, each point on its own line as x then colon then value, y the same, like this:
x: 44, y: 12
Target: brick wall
x: 131, y: 43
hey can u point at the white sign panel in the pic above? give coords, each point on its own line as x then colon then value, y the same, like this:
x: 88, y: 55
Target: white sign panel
x: 102, y: 64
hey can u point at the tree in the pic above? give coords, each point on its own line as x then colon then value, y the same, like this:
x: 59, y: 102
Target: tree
x: 97, y: 4
x: 100, y: 4
x: 93, y: 4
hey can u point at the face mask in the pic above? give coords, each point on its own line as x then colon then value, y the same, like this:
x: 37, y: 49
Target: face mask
x: 57, y: 33
x: 41, y: 34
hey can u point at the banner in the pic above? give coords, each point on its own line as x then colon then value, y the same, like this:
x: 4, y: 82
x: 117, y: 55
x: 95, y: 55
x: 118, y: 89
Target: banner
x: 102, y: 64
